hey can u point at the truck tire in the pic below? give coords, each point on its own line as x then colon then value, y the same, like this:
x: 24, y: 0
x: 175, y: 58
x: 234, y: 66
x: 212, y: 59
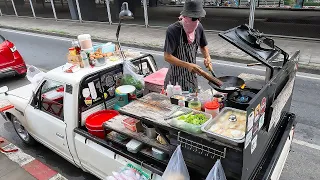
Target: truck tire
x: 22, y: 75
x: 22, y: 132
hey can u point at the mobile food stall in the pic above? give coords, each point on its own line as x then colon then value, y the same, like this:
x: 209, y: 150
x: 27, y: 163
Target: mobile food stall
x: 251, y: 135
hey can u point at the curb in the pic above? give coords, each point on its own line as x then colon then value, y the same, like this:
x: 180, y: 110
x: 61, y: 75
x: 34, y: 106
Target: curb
x: 34, y: 167
x: 302, y: 67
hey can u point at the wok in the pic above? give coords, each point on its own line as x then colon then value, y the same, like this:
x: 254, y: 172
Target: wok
x: 229, y: 83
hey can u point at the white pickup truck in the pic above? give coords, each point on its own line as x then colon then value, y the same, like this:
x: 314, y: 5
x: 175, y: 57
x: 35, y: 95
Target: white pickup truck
x: 54, y: 114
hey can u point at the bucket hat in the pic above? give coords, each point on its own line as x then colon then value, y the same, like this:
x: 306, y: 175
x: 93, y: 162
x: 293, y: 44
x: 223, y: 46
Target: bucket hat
x: 193, y: 9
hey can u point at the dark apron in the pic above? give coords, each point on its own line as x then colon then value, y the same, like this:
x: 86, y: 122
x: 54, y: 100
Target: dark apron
x: 186, y: 79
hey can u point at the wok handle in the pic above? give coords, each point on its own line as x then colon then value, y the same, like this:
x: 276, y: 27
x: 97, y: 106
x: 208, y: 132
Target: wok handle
x: 211, y: 70
x: 214, y: 80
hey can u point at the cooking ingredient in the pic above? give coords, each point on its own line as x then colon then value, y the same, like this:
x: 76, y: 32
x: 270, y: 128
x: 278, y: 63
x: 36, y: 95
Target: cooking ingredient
x: 233, y: 127
x: 212, y: 108
x: 98, y: 54
x: 196, y: 119
x: 85, y: 60
x: 128, y: 79
x: 195, y: 104
x: 72, y: 51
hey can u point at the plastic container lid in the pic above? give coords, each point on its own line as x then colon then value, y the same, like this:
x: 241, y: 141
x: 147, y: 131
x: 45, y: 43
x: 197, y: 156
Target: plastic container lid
x: 157, y: 151
x: 84, y: 37
x: 133, y: 144
x: 212, y: 105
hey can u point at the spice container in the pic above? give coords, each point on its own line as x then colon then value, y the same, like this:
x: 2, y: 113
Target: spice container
x: 85, y: 41
x: 156, y: 153
x: 212, y: 108
x: 195, y: 104
x: 132, y: 124
x: 134, y: 146
x: 72, y: 51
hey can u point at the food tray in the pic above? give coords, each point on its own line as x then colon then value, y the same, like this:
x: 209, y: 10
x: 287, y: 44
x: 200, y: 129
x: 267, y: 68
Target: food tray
x: 241, y: 120
x: 196, y: 129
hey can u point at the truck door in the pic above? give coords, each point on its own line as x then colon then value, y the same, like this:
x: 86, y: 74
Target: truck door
x: 45, y: 115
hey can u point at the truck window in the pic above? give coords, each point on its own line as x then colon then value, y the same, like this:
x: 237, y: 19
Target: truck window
x: 51, y: 95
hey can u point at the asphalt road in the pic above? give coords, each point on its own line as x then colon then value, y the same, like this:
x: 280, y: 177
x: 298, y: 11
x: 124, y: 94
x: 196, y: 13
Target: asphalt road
x: 48, y: 52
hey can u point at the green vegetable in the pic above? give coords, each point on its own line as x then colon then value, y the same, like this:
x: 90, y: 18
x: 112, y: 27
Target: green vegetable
x: 129, y: 80
x: 196, y: 119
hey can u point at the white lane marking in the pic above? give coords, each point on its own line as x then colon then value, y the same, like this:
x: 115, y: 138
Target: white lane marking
x: 219, y: 62
x: 19, y: 157
x: 303, y: 143
x: 58, y: 177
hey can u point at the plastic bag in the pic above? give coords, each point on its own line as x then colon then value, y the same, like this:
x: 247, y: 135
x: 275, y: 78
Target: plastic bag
x: 217, y: 172
x: 130, y: 77
x: 176, y: 169
x: 34, y: 75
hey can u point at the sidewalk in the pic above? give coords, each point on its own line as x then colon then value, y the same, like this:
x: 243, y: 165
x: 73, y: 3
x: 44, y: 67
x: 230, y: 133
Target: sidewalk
x: 18, y: 165
x: 151, y: 38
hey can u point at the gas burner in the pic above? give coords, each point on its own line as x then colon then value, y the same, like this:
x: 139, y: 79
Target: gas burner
x: 243, y: 99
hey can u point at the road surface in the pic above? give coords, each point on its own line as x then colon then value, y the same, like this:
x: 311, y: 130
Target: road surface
x: 48, y: 52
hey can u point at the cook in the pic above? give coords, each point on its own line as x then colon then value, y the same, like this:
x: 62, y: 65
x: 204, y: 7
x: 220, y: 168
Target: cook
x: 183, y: 39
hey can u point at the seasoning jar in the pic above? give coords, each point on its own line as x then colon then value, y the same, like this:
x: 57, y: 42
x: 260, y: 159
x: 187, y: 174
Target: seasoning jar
x: 195, y: 104
x: 212, y: 107
x: 72, y: 51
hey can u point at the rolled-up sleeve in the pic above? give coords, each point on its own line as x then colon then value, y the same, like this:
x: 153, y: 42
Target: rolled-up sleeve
x: 170, y: 42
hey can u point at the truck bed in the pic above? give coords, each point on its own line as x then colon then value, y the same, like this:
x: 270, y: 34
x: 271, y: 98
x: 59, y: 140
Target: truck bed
x: 265, y: 170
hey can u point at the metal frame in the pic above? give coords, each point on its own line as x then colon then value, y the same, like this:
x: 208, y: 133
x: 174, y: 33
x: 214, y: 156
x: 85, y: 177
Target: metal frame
x: 31, y: 5
x: 79, y: 11
x: 53, y: 10
x: 14, y: 8
x: 1, y: 12
x: 109, y: 12
x: 145, y: 9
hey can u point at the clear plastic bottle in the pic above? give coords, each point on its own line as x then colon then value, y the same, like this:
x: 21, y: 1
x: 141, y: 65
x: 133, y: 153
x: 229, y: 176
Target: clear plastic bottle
x: 85, y: 59
x: 177, y: 90
x: 169, y: 90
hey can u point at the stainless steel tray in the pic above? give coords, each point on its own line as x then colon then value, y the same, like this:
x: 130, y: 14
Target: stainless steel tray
x: 206, y: 128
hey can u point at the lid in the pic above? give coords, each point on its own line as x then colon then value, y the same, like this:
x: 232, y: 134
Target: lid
x: 157, y: 78
x: 125, y: 89
x: 84, y: 37
x: 157, y: 151
x: 212, y: 104
x: 253, y: 43
x: 133, y: 144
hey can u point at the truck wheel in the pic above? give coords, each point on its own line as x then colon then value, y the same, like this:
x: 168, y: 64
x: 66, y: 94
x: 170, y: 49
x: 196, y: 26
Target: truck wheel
x: 22, y: 132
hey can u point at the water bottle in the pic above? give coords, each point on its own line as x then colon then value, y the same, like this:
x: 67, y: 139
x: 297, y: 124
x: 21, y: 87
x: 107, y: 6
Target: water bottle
x: 85, y: 59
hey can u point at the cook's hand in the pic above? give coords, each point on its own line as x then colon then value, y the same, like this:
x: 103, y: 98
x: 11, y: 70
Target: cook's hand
x: 207, y: 62
x: 194, y: 68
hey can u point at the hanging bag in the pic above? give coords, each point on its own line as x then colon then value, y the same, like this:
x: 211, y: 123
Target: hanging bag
x: 217, y: 172
x: 130, y: 77
x: 176, y: 169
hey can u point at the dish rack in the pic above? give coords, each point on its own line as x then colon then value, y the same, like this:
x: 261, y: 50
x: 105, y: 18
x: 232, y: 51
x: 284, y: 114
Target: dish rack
x: 200, y: 148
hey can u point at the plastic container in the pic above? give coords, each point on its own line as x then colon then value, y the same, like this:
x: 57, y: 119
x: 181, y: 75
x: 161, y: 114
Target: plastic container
x: 134, y: 146
x: 85, y: 59
x: 212, y: 108
x: 150, y: 131
x: 85, y: 41
x: 105, y: 48
x: 132, y: 124
x: 95, y: 121
x: 196, y: 129
x: 156, y: 153
x: 177, y: 90
x: 195, y: 104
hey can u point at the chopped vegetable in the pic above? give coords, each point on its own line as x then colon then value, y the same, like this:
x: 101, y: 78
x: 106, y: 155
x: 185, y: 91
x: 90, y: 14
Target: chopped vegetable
x: 196, y: 119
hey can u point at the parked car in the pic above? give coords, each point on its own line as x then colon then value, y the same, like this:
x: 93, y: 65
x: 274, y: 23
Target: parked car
x: 11, y: 61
